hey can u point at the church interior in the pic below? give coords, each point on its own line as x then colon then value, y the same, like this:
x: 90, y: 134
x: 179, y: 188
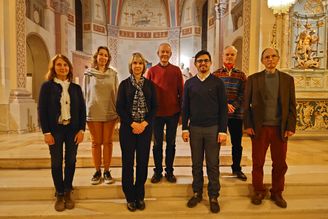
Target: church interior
x: 33, y: 31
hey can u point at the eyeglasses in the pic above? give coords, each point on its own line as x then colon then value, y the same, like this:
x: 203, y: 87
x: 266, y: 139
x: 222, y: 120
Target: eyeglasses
x: 199, y: 61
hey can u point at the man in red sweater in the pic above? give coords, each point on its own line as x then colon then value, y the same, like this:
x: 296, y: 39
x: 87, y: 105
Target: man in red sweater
x: 169, y: 89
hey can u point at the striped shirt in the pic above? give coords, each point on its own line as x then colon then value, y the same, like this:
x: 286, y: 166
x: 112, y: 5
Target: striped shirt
x: 235, y: 82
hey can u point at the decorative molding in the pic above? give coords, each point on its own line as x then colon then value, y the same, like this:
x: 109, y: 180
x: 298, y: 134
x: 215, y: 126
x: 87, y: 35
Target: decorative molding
x: 174, y: 39
x: 71, y: 18
x: 113, y: 31
x: 20, y: 43
x: 246, y: 39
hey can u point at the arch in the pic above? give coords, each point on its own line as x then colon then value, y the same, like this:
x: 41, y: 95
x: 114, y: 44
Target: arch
x: 238, y: 43
x: 37, y: 63
x: 204, y: 25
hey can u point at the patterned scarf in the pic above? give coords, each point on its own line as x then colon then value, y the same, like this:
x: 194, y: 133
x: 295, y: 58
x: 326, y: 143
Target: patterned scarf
x: 139, y: 106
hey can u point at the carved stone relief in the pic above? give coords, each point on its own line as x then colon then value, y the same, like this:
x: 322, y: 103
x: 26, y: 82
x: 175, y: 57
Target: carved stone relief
x: 312, y: 115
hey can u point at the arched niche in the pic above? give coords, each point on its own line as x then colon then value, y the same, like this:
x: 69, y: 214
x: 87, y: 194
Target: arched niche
x: 37, y: 63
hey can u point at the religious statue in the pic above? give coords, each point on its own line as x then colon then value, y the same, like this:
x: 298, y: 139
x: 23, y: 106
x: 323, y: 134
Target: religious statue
x: 305, y: 54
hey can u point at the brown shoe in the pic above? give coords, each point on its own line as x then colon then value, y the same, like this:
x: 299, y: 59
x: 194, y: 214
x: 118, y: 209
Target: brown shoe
x: 69, y: 202
x: 257, y: 198
x: 279, y: 200
x: 59, y: 204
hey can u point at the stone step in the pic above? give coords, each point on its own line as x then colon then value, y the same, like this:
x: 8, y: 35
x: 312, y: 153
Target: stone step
x: 231, y: 208
x: 37, y: 184
x: 84, y: 159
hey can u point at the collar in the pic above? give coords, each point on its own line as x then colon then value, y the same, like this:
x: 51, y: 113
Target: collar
x: 164, y: 66
x: 206, y: 76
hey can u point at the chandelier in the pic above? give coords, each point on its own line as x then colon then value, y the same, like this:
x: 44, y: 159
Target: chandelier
x: 280, y: 6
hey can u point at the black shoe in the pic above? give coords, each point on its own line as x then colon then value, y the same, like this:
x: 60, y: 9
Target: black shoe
x: 194, y: 200
x: 170, y: 177
x: 96, y: 178
x: 156, y: 178
x: 214, y: 205
x: 140, y: 204
x: 240, y: 175
x: 108, y: 179
x: 131, y: 206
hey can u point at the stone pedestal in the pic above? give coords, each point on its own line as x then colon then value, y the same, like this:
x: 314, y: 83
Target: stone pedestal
x: 22, y: 112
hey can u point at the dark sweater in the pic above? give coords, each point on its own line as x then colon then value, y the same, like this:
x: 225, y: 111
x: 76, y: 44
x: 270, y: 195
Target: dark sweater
x: 49, y: 107
x: 125, y: 97
x: 204, y: 103
x: 272, y: 113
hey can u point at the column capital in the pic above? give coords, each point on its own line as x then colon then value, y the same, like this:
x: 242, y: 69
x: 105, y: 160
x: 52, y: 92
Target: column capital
x: 60, y: 6
x: 221, y: 7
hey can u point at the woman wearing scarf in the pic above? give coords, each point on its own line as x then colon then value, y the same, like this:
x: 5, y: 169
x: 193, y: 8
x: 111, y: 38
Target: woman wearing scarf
x: 61, y: 111
x: 136, y: 106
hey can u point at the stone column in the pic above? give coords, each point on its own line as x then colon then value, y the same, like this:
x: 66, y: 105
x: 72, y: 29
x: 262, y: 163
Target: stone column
x: 22, y: 108
x: 220, y: 9
x: 113, y: 43
x: 61, y: 8
x: 280, y: 38
x: 174, y: 41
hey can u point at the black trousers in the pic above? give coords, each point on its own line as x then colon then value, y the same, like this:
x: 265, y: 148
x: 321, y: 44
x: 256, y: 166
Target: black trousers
x: 171, y: 123
x: 134, y: 145
x: 236, y: 132
x: 64, y: 135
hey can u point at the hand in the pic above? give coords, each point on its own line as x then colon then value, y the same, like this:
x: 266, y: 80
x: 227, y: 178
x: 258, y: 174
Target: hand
x: 288, y: 134
x: 49, y: 139
x: 79, y: 137
x: 250, y: 132
x: 144, y: 124
x: 137, y: 128
x: 222, y: 138
x: 231, y: 108
x: 185, y: 136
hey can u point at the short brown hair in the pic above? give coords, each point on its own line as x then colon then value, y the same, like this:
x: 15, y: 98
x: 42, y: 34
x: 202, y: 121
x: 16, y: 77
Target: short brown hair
x: 51, y: 74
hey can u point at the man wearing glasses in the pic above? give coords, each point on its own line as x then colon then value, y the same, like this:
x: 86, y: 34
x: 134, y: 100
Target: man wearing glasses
x: 204, y: 121
x: 270, y: 119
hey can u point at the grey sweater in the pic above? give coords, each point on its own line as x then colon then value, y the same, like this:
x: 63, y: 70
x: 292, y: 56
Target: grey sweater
x: 100, y: 91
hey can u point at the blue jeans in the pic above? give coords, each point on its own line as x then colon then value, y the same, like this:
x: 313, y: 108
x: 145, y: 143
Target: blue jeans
x: 171, y: 123
x: 64, y: 134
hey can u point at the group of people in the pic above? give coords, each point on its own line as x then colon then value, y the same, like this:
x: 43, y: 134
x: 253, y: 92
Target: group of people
x: 154, y: 103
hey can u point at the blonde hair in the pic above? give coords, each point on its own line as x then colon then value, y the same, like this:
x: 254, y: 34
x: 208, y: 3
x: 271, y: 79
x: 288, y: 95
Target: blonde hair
x: 51, y: 74
x: 137, y: 55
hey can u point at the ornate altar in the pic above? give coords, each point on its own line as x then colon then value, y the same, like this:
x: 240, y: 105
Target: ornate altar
x: 308, y: 65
